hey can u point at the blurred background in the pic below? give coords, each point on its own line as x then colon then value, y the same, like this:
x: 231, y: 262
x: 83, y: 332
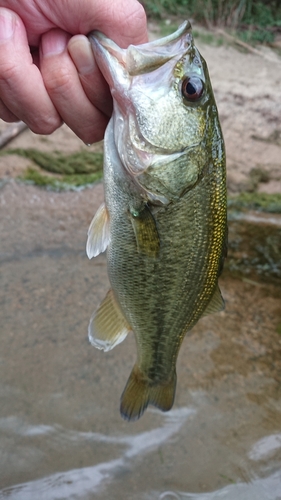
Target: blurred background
x: 61, y: 435
x: 252, y: 20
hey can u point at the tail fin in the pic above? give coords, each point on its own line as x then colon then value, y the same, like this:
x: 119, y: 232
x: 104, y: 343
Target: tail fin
x: 139, y: 393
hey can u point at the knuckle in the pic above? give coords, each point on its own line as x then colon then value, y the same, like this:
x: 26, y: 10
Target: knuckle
x: 91, y: 133
x: 140, y: 14
x: 45, y: 126
x: 134, y: 23
x: 34, y: 108
x: 8, y: 72
x: 58, y: 81
x: 90, y: 136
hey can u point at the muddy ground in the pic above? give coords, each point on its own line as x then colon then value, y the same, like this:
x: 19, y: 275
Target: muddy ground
x: 61, y: 435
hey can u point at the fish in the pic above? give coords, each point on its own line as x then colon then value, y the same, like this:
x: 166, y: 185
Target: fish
x: 163, y: 222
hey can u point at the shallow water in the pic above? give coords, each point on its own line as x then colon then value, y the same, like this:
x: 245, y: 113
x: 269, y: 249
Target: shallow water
x: 61, y: 435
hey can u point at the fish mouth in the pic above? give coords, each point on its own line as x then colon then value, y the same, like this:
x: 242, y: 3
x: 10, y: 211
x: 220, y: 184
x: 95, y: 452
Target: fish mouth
x: 120, y: 66
x: 111, y: 60
x: 117, y: 64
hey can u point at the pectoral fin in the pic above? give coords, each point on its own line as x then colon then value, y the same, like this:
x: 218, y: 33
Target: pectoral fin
x: 98, y: 233
x: 216, y: 303
x: 147, y: 237
x: 107, y: 326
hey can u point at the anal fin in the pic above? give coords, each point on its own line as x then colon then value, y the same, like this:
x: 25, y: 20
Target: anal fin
x: 140, y: 392
x: 216, y: 303
x: 107, y: 326
x: 98, y: 233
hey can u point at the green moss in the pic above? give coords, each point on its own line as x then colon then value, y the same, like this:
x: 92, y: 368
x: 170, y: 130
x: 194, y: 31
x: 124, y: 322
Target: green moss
x: 279, y: 329
x: 256, y: 201
x: 33, y: 176
x: 256, y: 176
x: 62, y: 183
x: 75, y: 170
x: 259, y: 174
x: 254, y: 251
x: 81, y: 162
x: 82, y: 179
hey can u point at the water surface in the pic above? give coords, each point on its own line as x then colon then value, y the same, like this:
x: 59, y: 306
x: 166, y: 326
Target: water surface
x: 61, y: 435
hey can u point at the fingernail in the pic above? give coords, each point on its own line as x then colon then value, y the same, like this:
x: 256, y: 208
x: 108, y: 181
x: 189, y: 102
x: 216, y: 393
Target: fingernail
x: 81, y: 53
x: 7, y: 24
x: 54, y: 42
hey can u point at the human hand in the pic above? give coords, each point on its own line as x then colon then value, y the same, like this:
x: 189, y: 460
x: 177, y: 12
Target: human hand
x: 48, y: 73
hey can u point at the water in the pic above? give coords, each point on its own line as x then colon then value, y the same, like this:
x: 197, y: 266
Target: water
x: 61, y: 435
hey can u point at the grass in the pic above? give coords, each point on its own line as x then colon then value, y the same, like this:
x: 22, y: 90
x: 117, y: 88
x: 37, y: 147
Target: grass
x: 208, y: 38
x: 254, y: 21
x: 166, y: 28
x: 229, y: 13
x: 203, y: 35
x: 256, y: 35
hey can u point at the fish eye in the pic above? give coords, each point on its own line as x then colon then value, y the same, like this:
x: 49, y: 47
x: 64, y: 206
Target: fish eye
x: 192, y: 88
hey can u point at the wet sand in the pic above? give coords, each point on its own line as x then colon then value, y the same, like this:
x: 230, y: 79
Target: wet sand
x: 61, y: 435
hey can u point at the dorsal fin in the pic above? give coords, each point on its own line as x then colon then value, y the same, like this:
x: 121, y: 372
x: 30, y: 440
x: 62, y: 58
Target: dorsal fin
x: 107, y: 326
x: 216, y: 303
x: 98, y: 233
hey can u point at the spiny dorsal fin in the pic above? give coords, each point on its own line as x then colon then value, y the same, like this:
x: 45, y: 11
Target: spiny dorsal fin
x: 107, y: 326
x: 147, y: 237
x: 98, y: 233
x: 140, y: 392
x: 216, y: 303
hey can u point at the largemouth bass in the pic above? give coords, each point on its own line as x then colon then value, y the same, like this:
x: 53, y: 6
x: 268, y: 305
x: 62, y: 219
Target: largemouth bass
x: 163, y: 222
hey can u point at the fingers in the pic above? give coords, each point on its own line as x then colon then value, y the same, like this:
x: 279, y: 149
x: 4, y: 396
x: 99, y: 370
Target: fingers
x: 62, y: 86
x: 66, y: 89
x: 6, y: 114
x: 122, y: 20
x: 127, y: 25
x: 93, y: 83
x: 22, y: 89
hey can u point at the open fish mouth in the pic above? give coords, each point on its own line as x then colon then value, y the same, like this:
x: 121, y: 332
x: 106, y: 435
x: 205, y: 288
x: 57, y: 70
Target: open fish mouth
x: 136, y: 60
x: 129, y: 70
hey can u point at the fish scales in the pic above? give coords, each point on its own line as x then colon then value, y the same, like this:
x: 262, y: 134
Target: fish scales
x: 163, y: 281
x: 164, y: 218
